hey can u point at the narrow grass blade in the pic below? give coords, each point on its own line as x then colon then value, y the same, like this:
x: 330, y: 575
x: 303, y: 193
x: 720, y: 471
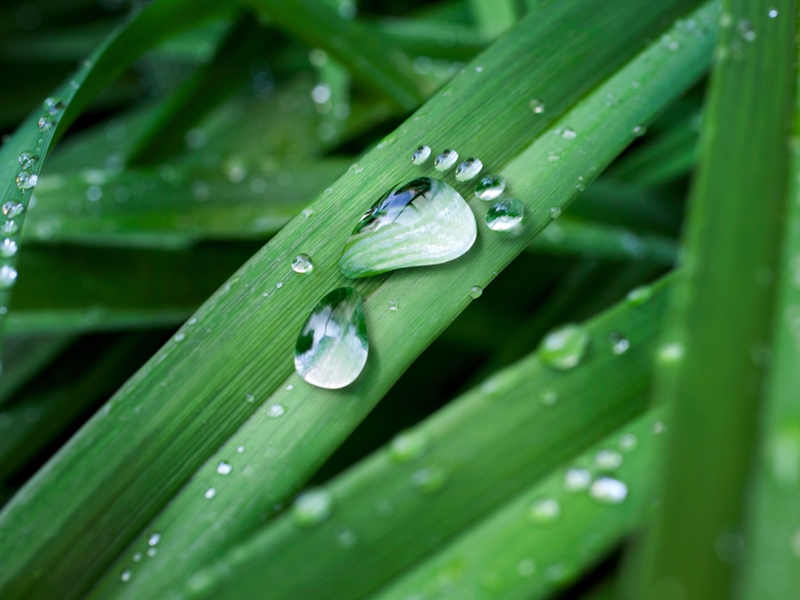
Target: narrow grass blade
x: 432, y: 39
x: 222, y: 358
x: 493, y: 17
x: 724, y: 304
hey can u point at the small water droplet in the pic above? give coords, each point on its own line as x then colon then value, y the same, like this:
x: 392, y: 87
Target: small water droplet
x: 53, y: 106
x: 154, y: 539
x: 577, y: 480
x: 549, y: 397
x: 553, y: 157
x: 275, y: 410
x: 9, y: 228
x: 179, y: 337
x: 475, y: 292
x: 8, y: 275
x: 279, y: 285
x: 250, y: 397
x: 671, y: 353
x: 526, y: 567
x: 240, y: 449
x: 659, y: 428
x: 773, y: 12
x: 569, y: 134
x: 45, y: 123
x: 490, y: 187
x: 421, y: 155
x: 429, y: 479
x: 479, y: 69
x: 408, y: 446
x: 608, y: 460
x: 619, y: 343
x: 639, y: 130
x: 289, y: 387
x: 26, y: 180
x: 137, y: 557
x: 346, y: 538
x: 210, y: 493
x: 628, y: 442
x: 537, y: 106
x: 746, y: 30
x: 224, y: 468
x: 608, y: 490
x: 446, y: 160
x: 469, y: 169
x: 151, y: 552
x: 26, y: 160
x: 307, y: 212
x: 544, y: 510
x: 554, y: 212
x: 12, y: 209
x: 312, y: 507
x: 125, y: 577
x: 392, y: 305
x: 639, y: 295
x: 565, y: 347
x: 505, y: 215
x: 302, y: 264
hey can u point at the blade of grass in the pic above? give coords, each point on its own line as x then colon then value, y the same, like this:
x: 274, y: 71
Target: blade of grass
x: 493, y: 17
x: 723, y: 307
x: 222, y: 357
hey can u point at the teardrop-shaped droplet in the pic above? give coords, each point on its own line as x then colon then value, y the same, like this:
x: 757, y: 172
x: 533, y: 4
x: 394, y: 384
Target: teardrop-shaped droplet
x: 424, y: 222
x: 312, y: 507
x: 505, y: 215
x: 446, y: 160
x: 332, y: 346
x: 469, y: 169
x: 490, y: 187
x: 421, y: 155
x: 564, y: 348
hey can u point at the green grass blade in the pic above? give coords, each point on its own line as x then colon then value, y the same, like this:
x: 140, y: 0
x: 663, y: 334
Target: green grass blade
x: 512, y: 555
x: 493, y: 17
x: 723, y: 307
x: 222, y: 356
x: 524, y: 434
x: 432, y: 39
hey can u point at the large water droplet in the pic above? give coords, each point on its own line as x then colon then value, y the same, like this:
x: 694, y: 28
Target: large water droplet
x: 332, y: 346
x: 505, y: 215
x: 545, y: 510
x: 26, y: 180
x: 424, y: 222
x: 608, y: 490
x: 490, y: 187
x: 27, y: 159
x: 421, y: 155
x: 312, y: 507
x: 564, y: 348
x: 446, y: 160
x: 12, y: 209
x: 469, y: 169
x: 8, y: 275
x: 302, y: 263
x: 408, y: 446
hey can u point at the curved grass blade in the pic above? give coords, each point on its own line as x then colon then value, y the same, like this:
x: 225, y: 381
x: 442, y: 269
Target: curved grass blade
x: 221, y: 358
x: 723, y: 306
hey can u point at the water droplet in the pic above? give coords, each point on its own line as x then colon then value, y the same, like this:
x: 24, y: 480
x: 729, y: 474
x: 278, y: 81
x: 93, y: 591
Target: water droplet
x: 179, y: 337
x: 332, y: 346
x: 608, y: 490
x: 670, y: 353
x: 475, y: 292
x: 408, y: 446
x: 307, y: 212
x: 429, y: 479
x: 608, y: 460
x: 289, y: 387
x: 126, y: 576
x: 554, y: 212
x: 210, y: 493
x: 392, y: 305
x: 275, y: 410
x: 446, y: 160
x: 137, y: 557
x: 27, y: 159
x: 795, y: 544
x: 659, y: 428
x: 490, y: 187
x: 783, y: 451
x: 346, y: 538
x: 545, y: 510
x: 151, y: 552
x: 639, y: 130
x: 569, y: 134
x: 302, y: 264
x: 224, y: 468
x: 53, y: 106
x: 9, y: 228
x: 549, y: 397
x: 312, y: 507
x: 424, y: 222
x: 537, y: 106
x: 553, y: 157
x: 250, y: 398
x: 469, y: 169
x: 12, y: 209
x: 773, y: 12
x: 8, y: 275
x: 628, y: 442
x: 154, y: 539
x: 619, y: 344
x: 526, y: 567
x: 240, y: 449
x: 639, y: 295
x: 317, y: 57
x: 421, y: 155
x: 505, y: 215
x: 45, y: 123
x: 746, y: 30
x: 577, y: 480
x: 26, y: 180
x: 564, y: 348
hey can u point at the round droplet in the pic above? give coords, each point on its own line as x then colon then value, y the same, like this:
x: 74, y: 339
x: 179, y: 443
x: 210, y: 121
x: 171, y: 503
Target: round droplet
x: 27, y: 159
x: 302, y: 264
x: 608, y: 460
x: 210, y: 493
x: 151, y: 552
x: 607, y: 490
x: 505, y: 215
x: 628, y: 442
x: 537, y: 106
x: 312, y: 507
x: 332, y: 347
x: 490, y: 187
x: 639, y: 130
x: 8, y: 275
x: 619, y: 343
x: 125, y: 577
x: 773, y: 12
x: 469, y: 169
x: 545, y: 510
x: 275, y: 410
x: 224, y: 468
x: 569, y: 134
x: 137, y: 557
x: 430, y: 479
x: 577, y: 480
x: 549, y: 397
x: 53, y: 106
x: 554, y: 212
x: 392, y: 305
x: 639, y: 295
x: 421, y: 155
x: 475, y: 292
x: 670, y: 353
x: 154, y: 539
x: 26, y: 180
x: 408, y: 446
x: 446, y: 160
x: 12, y: 209
x: 564, y: 348
x: 45, y: 123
